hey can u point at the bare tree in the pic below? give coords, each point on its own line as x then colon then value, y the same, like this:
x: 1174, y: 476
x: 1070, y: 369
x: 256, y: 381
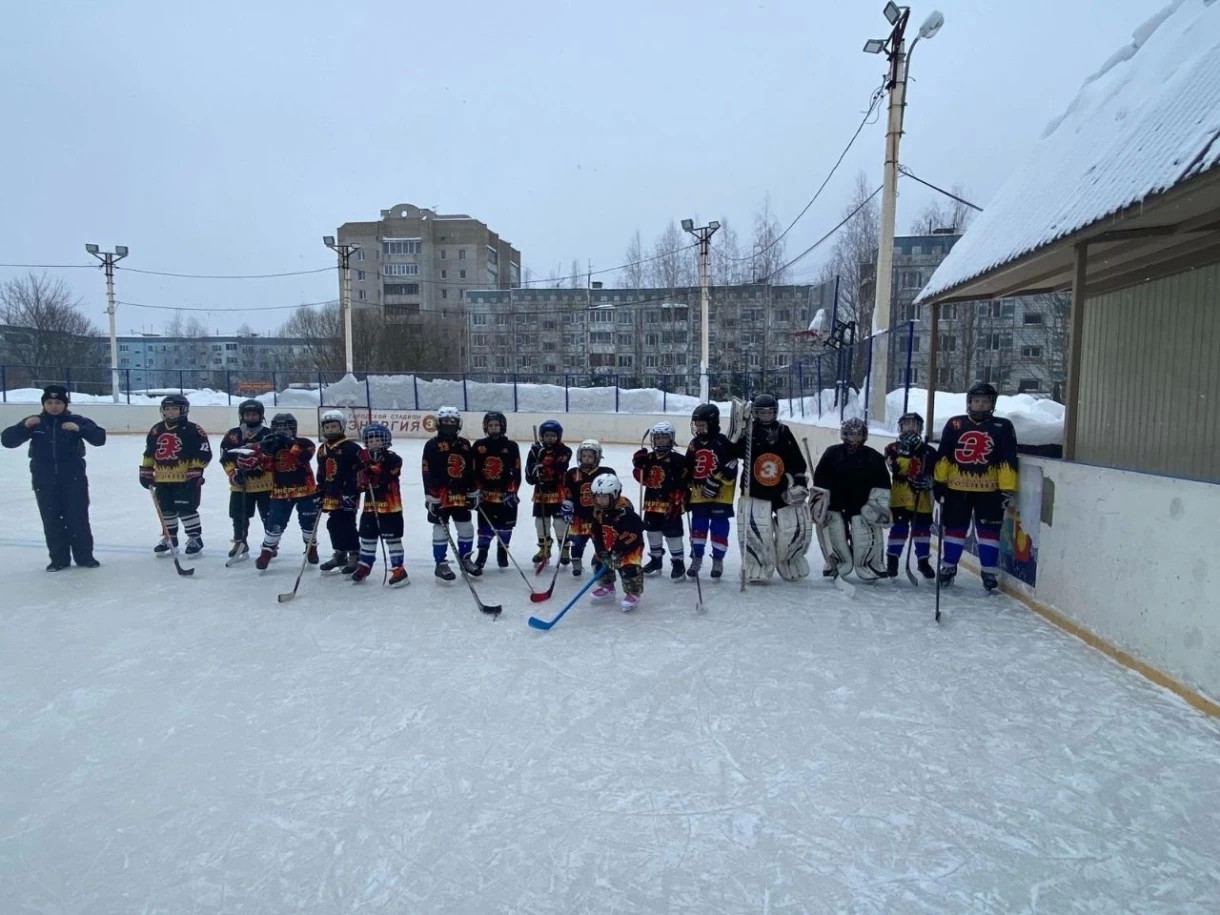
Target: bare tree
x: 527, y: 278
x: 854, y: 257
x: 576, y: 277
x: 728, y: 267
x: 768, y: 253
x: 183, y: 325
x: 944, y: 213
x: 321, y: 330
x: 673, y: 264
x: 635, y: 271
x: 50, y: 333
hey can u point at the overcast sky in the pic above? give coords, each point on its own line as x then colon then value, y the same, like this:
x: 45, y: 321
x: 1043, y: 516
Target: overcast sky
x: 227, y: 137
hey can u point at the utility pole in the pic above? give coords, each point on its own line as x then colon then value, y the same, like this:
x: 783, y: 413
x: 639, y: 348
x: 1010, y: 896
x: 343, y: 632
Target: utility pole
x: 704, y: 234
x: 894, y: 48
x: 109, y: 259
x: 345, y: 252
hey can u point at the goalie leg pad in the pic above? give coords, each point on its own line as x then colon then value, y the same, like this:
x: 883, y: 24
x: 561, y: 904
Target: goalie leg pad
x: 793, y: 533
x: 819, y: 503
x: 832, y: 538
x: 758, y: 556
x: 868, y: 549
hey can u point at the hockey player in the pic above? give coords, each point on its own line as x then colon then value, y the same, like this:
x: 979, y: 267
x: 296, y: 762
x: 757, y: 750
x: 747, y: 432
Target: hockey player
x: 910, y: 461
x: 287, y: 458
x: 249, y: 484
x: 857, y: 510
x: 175, y: 453
x: 775, y: 518
x: 618, y: 539
x: 338, y: 463
x: 545, y: 466
x: 57, y: 440
x: 712, y: 472
x: 975, y: 477
x: 450, y: 492
x: 663, y: 473
x: 379, y: 479
x: 578, y: 506
x: 497, y: 474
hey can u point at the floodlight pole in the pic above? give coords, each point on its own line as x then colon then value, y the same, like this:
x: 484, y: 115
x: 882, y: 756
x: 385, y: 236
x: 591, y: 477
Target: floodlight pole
x: 345, y: 252
x: 109, y: 259
x: 704, y: 234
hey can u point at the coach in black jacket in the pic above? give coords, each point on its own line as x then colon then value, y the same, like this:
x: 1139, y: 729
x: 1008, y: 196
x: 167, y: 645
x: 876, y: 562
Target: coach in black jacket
x: 57, y: 463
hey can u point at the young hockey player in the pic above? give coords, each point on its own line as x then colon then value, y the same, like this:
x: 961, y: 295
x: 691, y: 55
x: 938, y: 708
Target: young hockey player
x: 712, y: 471
x: 663, y: 473
x: 57, y: 438
x: 775, y: 520
x: 858, y: 508
x: 450, y: 492
x: 378, y: 478
x: 287, y: 459
x: 910, y: 461
x: 249, y: 484
x: 338, y: 463
x: 578, y: 506
x: 618, y: 541
x: 975, y: 477
x: 545, y: 466
x: 175, y: 453
x: 497, y: 474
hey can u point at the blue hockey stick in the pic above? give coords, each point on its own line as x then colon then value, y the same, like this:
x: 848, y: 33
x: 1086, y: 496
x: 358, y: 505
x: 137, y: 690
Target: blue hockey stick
x: 537, y: 623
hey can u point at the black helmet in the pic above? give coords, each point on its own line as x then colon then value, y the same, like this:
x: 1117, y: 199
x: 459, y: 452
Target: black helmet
x: 251, y: 406
x: 765, y: 402
x: 495, y: 416
x: 176, y: 400
x: 706, y: 413
x: 285, y: 424
x: 981, y: 389
x: 911, y: 418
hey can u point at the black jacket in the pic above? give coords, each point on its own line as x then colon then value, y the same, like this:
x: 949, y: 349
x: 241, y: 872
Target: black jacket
x: 850, y: 476
x: 54, y: 451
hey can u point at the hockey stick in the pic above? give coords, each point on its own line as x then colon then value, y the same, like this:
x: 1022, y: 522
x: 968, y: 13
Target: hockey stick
x: 173, y: 549
x: 539, y: 596
x: 744, y: 502
x: 699, y: 608
x: 940, y: 551
x: 507, y: 551
x: 289, y: 595
x: 385, y: 557
x: 910, y: 549
x: 490, y: 609
x: 537, y: 623
x: 640, y: 503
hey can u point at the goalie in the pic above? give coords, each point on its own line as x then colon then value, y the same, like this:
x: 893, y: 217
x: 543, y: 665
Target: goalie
x: 774, y: 524
x: 852, y: 533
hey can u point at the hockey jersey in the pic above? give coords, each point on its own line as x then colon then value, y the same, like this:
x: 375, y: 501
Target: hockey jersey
x: 771, y: 462
x: 448, y: 470
x: 257, y: 479
x: 497, y: 468
x: 850, y: 476
x: 381, y: 476
x: 338, y: 464
x: 545, y: 467
x: 977, y: 457
x: 906, y: 468
x: 576, y: 484
x: 291, y: 470
x: 663, y: 474
x: 711, y: 457
x: 619, y: 532
x: 172, y: 449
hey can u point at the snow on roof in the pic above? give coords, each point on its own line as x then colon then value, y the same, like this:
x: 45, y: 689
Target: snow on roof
x: 1146, y: 121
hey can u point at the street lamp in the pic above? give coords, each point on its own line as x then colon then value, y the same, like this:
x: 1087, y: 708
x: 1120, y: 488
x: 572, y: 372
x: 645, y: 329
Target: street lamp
x: 704, y: 234
x: 345, y: 252
x: 899, y: 59
x: 109, y: 259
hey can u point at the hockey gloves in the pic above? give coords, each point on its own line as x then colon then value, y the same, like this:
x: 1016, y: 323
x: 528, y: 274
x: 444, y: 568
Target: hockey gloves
x: 433, y: 505
x: 710, y: 488
x: 510, y: 500
x: 273, y: 442
x: 796, y: 493
x: 566, y: 508
x: 147, y: 477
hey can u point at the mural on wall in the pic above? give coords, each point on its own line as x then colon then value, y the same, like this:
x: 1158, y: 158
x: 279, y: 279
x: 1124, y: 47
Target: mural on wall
x: 1022, y: 525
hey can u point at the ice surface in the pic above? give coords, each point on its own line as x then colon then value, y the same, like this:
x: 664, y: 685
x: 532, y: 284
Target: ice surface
x: 176, y: 746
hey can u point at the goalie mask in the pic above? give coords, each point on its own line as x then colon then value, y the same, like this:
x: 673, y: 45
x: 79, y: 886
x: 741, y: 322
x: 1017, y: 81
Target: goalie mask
x: 910, y: 433
x: 854, y: 433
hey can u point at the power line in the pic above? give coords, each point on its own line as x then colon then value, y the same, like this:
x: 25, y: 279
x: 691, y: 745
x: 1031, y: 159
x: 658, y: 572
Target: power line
x: 227, y: 276
x: 218, y: 310
x: 55, y: 266
x: 906, y: 171
x: 846, y: 219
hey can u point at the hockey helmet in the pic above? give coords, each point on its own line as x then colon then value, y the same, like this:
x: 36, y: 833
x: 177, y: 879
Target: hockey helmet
x: 495, y: 416
x: 707, y: 413
x: 977, y: 411
x: 337, y: 422
x: 853, y: 432
x: 285, y: 424
x: 176, y: 400
x: 550, y: 426
x: 765, y: 409
x: 376, y: 436
x: 608, y: 485
x: 593, y: 445
x: 251, y: 406
x: 910, y: 422
x: 663, y: 435
x: 448, y: 422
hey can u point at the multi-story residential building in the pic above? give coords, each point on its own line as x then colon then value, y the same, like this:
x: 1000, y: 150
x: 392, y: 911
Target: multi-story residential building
x: 415, y: 260
x: 243, y: 364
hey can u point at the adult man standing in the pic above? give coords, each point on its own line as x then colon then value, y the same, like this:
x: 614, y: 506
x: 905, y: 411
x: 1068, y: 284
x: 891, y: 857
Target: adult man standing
x: 57, y: 440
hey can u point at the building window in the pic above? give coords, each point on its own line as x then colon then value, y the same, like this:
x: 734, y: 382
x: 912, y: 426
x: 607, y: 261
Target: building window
x: 478, y: 320
x: 359, y: 254
x: 359, y: 274
x: 780, y: 360
x: 624, y: 339
x: 360, y: 294
x: 650, y: 362
x: 401, y: 270
x: 944, y: 375
x: 1031, y: 318
x: 1026, y: 385
x: 402, y: 288
x: 461, y: 254
x: 400, y: 247
x: 444, y: 274
x: 444, y: 293
x: 442, y: 253
x: 948, y: 344
x: 461, y: 274
x: 600, y: 337
x: 602, y: 316
x: 478, y: 362
x: 949, y: 311
x: 231, y: 346
x: 478, y: 339
x: 626, y: 362
x: 624, y: 316
x: 1031, y: 352
x: 652, y: 339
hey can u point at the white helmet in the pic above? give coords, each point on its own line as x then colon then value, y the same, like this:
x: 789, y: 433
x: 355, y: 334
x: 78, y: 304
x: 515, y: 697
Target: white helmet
x: 332, y: 416
x: 590, y: 444
x: 664, y: 427
x: 448, y: 421
x: 607, y: 484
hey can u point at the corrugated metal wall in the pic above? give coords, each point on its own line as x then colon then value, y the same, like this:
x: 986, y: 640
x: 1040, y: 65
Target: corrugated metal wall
x: 1150, y: 377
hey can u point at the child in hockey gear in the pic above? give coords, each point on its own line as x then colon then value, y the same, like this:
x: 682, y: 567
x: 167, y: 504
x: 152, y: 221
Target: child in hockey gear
x: 975, y: 478
x: 497, y: 475
x: 249, y: 484
x: 712, y: 472
x: 774, y: 515
x: 663, y: 473
x: 338, y: 463
x: 450, y: 492
x: 57, y: 440
x: 857, y: 510
x: 910, y: 461
x: 618, y: 538
x: 545, y: 466
x: 378, y: 479
x: 287, y: 459
x: 175, y: 453
x: 580, y: 496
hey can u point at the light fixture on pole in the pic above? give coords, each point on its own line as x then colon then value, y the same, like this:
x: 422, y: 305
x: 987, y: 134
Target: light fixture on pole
x: 345, y: 252
x: 704, y: 234
x: 109, y: 259
x: 899, y: 58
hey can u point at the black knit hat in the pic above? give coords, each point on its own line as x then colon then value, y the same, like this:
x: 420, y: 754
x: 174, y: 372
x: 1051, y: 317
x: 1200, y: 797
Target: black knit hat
x: 55, y: 392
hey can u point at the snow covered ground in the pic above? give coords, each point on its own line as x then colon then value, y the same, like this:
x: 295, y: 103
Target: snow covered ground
x: 177, y: 745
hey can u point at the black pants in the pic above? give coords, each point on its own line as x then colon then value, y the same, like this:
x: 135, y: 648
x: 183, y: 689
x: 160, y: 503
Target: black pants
x: 342, y: 528
x: 63, y: 502
x: 241, y: 510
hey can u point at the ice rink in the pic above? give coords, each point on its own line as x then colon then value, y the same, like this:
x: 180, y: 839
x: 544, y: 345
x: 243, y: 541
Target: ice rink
x: 174, y: 745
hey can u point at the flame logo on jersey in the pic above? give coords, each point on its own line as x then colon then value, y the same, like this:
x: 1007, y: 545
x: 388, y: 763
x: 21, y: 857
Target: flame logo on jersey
x: 331, y: 469
x: 768, y: 469
x: 455, y: 466
x: 169, y: 446
x: 705, y: 463
x: 973, y: 447
x: 493, y: 468
x: 654, y: 477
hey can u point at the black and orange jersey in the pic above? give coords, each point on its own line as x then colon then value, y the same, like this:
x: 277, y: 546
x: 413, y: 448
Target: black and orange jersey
x: 663, y: 474
x: 257, y: 479
x: 711, y: 456
x: 545, y: 467
x: 448, y: 469
x: 619, y: 531
x: 173, y: 449
x: 905, y: 468
x: 771, y: 462
x: 383, y: 475
x: 497, y: 468
x: 338, y: 464
x: 291, y: 470
x: 576, y: 486
x: 977, y: 457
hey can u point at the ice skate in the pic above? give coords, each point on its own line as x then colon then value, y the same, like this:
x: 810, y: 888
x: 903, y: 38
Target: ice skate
x: 991, y: 582
x: 654, y: 565
x: 577, y: 567
x: 947, y: 574
x: 336, y: 561
x: 677, y: 570
x: 163, y: 548
x: 925, y: 568
x: 469, y: 565
x: 194, y: 546
x: 603, y: 591
x: 311, y: 555
x: 444, y: 572
x: 696, y: 563
x: 362, y: 572
x: 501, y: 557
x: 717, y: 567
x: 264, y: 559
x: 352, y: 563
x: 629, y: 602
x: 480, y: 559
x: 891, y: 565
x: 398, y: 576
x: 565, y: 555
